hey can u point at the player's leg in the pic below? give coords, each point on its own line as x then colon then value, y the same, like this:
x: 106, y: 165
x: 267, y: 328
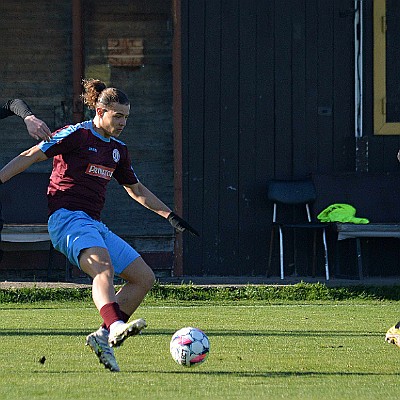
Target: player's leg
x: 79, y: 238
x: 96, y: 262
x: 139, y: 279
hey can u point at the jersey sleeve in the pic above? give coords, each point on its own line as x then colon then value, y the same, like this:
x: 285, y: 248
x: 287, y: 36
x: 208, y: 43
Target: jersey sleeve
x: 63, y: 141
x: 16, y: 107
x: 124, y: 173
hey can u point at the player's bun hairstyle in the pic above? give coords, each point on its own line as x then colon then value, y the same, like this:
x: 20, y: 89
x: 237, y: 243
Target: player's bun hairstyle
x: 96, y: 91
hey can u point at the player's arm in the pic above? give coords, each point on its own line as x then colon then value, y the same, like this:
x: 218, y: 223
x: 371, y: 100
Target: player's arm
x: 21, y: 163
x: 146, y: 198
x: 35, y: 126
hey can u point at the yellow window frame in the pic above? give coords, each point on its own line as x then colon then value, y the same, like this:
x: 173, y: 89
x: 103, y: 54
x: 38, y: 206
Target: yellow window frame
x: 381, y: 126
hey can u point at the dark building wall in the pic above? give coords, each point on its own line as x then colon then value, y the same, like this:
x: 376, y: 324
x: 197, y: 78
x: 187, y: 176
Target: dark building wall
x: 148, y: 133
x: 268, y: 92
x: 36, y: 65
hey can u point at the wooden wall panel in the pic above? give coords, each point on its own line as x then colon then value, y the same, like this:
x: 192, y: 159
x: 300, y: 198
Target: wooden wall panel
x: 325, y: 67
x: 282, y: 77
x: 298, y: 56
x: 194, y: 140
x: 35, y: 65
x: 246, y: 251
x: 264, y: 144
x: 311, y: 85
x: 210, y: 212
x: 229, y: 137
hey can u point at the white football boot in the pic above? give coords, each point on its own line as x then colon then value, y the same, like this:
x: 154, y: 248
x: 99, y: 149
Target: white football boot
x: 123, y: 331
x: 98, y: 342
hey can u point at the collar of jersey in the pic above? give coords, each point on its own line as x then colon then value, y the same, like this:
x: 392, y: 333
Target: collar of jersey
x: 98, y: 134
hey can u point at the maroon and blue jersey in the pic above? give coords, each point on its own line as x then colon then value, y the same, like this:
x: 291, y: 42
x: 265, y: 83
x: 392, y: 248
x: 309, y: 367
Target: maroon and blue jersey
x: 83, y: 164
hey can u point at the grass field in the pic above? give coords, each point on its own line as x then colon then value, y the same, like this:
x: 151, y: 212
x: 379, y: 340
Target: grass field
x: 318, y: 350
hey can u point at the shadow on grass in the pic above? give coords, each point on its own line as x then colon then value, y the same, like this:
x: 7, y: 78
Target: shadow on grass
x: 43, y: 332
x: 210, y: 333
x: 271, y: 333
x: 233, y: 374
x: 270, y: 374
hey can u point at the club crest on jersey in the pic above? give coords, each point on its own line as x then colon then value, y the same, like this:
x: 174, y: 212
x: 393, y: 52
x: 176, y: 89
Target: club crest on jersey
x: 100, y: 171
x: 116, y: 155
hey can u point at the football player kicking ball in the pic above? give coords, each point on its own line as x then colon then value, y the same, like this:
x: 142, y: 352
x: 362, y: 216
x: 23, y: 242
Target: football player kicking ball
x: 85, y: 158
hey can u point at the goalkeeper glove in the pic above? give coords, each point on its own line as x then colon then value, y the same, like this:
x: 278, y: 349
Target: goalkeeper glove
x: 181, y: 225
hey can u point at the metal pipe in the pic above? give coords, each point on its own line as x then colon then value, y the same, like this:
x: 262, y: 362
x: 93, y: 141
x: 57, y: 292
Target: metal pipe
x: 77, y: 61
x: 358, y: 66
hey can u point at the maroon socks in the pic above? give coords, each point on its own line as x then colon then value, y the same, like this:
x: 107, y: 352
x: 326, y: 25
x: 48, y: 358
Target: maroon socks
x: 111, y: 313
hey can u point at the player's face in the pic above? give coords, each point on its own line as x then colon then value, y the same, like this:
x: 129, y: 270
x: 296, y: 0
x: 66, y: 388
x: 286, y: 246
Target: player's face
x: 113, y: 118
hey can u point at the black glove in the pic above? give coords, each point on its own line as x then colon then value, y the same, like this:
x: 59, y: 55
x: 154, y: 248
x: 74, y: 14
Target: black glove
x: 181, y: 225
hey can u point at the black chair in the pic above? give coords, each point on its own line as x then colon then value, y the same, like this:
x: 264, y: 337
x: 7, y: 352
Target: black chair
x: 286, y: 194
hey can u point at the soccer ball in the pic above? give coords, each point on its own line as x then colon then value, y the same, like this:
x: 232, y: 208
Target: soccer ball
x: 189, y: 346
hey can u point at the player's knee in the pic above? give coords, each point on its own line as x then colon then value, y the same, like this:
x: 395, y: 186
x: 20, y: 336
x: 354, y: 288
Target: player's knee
x: 149, y: 278
x: 139, y: 273
x: 99, y: 270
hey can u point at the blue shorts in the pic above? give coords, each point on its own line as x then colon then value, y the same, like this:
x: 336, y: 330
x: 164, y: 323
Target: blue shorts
x: 73, y: 231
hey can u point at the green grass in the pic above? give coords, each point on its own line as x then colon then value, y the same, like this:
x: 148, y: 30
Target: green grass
x: 188, y: 292
x: 259, y: 350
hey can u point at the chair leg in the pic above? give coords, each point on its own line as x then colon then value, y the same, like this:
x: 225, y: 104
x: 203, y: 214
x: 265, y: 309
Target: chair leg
x: 281, y: 252
x: 325, y: 254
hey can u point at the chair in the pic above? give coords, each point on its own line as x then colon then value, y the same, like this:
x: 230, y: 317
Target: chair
x: 301, y: 193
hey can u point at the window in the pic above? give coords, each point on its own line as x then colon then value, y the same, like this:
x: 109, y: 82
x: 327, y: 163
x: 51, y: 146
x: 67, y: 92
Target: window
x: 386, y: 67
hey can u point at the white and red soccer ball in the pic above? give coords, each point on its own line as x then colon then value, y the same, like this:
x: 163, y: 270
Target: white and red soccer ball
x: 189, y: 346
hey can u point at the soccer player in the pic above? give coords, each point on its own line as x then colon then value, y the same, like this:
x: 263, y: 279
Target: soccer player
x: 393, y: 334
x: 86, y: 156
x: 36, y: 127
